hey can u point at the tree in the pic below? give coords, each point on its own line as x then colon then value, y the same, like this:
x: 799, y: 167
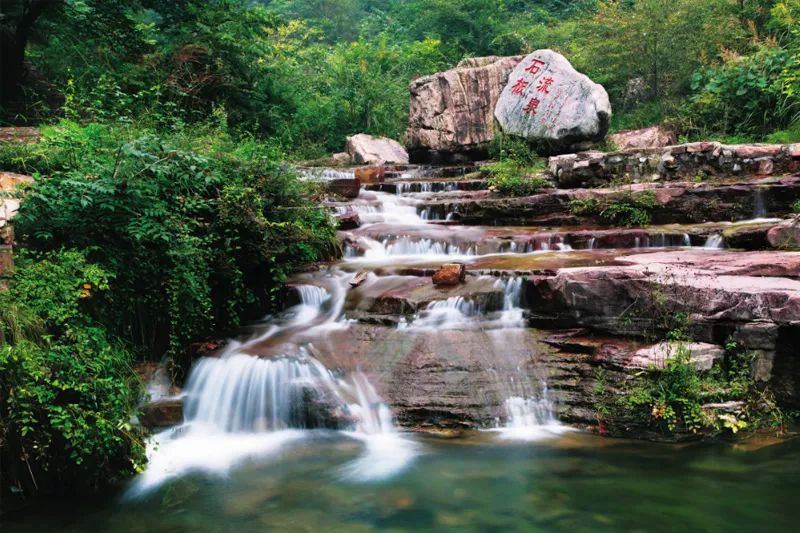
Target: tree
x: 17, y: 21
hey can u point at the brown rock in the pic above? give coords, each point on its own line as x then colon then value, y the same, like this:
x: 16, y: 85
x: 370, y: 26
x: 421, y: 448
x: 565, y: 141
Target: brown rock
x: 372, y: 174
x: 766, y: 166
x: 162, y: 413
x: 452, y: 111
x: 348, y: 220
x: 345, y: 187
x: 653, y: 137
x: 20, y: 134
x: 450, y: 274
x: 9, y: 181
x: 794, y: 151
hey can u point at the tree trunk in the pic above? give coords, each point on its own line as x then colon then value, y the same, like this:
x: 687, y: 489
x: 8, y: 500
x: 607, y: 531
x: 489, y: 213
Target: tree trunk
x: 13, y: 42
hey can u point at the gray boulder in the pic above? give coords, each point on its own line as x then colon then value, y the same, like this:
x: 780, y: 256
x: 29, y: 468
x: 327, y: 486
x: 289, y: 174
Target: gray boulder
x: 451, y: 112
x: 547, y: 101
x: 366, y: 149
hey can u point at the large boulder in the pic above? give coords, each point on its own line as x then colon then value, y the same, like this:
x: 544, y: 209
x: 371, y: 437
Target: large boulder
x: 549, y: 102
x: 366, y: 149
x: 451, y: 112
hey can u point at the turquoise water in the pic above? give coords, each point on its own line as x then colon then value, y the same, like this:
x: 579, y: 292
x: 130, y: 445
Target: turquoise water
x: 573, y: 483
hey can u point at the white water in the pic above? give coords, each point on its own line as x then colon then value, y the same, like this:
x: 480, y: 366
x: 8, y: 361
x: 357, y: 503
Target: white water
x: 530, y: 418
x: 458, y: 312
x: 714, y: 242
x: 240, y: 407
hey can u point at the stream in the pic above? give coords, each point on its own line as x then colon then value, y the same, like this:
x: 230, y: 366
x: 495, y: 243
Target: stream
x: 300, y: 423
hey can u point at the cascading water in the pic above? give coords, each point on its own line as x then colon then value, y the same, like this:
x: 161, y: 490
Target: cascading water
x: 759, y: 209
x: 715, y: 242
x: 239, y: 406
x: 530, y: 418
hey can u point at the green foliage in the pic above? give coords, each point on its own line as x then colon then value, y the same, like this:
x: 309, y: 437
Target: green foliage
x: 512, y: 178
x: 197, y: 228
x: 746, y: 94
x: 629, y: 209
x: 68, y: 391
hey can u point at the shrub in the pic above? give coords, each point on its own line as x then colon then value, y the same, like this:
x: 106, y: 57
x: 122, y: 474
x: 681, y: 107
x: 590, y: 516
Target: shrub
x: 511, y: 178
x: 630, y: 209
x: 197, y: 229
x: 68, y: 391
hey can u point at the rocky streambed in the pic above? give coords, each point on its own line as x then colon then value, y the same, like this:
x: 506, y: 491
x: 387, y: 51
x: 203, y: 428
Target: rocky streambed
x: 552, y: 302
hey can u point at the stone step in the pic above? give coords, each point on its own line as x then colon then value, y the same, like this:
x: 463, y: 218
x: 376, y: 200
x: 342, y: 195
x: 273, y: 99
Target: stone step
x: 676, y: 203
x: 393, y: 240
x: 429, y: 186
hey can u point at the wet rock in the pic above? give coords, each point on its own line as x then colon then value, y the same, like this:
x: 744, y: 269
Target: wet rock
x: 348, y: 221
x: 162, y: 413
x: 452, y: 112
x: 450, y: 274
x: 364, y: 148
x: 371, y: 174
x: 547, y: 101
x: 344, y: 187
x: 653, y: 137
x: 454, y: 379
x: 677, y: 204
x: 359, y: 278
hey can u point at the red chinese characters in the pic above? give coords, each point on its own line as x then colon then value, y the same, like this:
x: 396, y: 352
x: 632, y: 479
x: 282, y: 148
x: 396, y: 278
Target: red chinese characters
x: 532, y: 106
x: 535, y: 66
x: 544, y: 85
x: 519, y: 87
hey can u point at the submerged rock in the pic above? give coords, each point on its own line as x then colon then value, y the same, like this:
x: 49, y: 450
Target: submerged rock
x: 547, y: 101
x: 365, y: 148
x: 451, y: 112
x: 450, y: 274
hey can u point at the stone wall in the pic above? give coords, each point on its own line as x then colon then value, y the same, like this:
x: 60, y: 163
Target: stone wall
x: 679, y: 162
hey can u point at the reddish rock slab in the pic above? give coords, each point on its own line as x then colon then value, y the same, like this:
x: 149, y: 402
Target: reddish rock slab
x: 794, y: 151
x: 784, y: 236
x: 653, y: 137
x: 755, y: 151
x: 450, y: 274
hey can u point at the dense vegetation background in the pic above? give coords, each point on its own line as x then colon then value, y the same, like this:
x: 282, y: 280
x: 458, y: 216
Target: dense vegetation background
x: 161, y: 212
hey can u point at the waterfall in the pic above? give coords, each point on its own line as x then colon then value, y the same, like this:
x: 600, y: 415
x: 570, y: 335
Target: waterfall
x: 530, y: 418
x: 715, y: 242
x: 458, y: 312
x: 759, y: 210
x: 241, y: 393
